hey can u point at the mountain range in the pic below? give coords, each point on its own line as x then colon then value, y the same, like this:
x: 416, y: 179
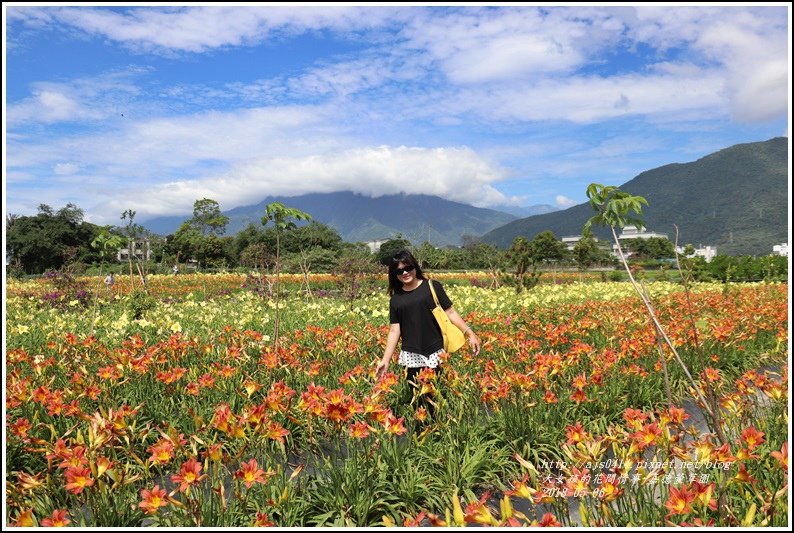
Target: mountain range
x: 361, y: 218
x: 735, y: 199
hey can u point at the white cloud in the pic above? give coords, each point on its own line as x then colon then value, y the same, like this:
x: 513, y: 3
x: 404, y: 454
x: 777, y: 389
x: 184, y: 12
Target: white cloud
x: 580, y: 99
x: 78, y: 100
x: 66, y: 169
x: 485, y: 44
x: 748, y: 44
x: 200, y: 29
x: 45, y: 106
x: 457, y: 174
x: 563, y: 202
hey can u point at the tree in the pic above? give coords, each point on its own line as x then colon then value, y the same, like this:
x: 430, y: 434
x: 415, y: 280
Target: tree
x: 186, y: 241
x: 280, y: 215
x: 207, y: 218
x: 313, y: 235
x: 586, y: 251
x: 41, y: 242
x: 651, y: 248
x: 546, y: 248
x: 390, y: 248
x: 613, y: 208
x: 521, y: 256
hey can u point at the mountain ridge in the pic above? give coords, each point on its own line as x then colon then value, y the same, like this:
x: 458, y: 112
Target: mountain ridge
x: 735, y: 199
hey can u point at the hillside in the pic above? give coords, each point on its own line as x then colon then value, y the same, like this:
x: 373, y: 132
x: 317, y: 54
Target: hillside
x: 736, y: 199
x: 360, y: 218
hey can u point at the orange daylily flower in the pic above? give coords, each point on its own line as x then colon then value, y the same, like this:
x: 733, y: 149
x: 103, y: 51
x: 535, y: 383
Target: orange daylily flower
x: 576, y: 433
x: 647, y: 435
x: 359, y: 430
x: 262, y: 520
x: 25, y: 519
x: 782, y: 456
x: 78, y: 478
x: 57, y: 519
x: 153, y: 499
x: 579, y: 382
x: 752, y: 437
x: 395, y: 425
x: 189, y: 475
x: 250, y: 473
x: 679, y: 501
x: 743, y: 476
x: 549, y: 520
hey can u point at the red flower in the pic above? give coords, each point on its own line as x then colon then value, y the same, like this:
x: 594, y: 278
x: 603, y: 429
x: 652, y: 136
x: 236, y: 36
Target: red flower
x: 679, y: 501
x: 153, y: 499
x: 782, y: 456
x: 752, y: 437
x: 57, y: 519
x: 78, y: 478
x: 189, y: 475
x: 549, y: 520
x: 250, y: 473
x: 359, y: 430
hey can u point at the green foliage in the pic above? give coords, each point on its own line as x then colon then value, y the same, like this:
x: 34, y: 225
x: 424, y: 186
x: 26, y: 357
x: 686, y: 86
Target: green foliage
x: 613, y: 207
x: 546, y: 248
x: 586, y: 252
x: 138, y: 303
x: 207, y: 218
x: 741, y: 205
x: 521, y: 256
x: 651, y: 248
x: 391, y: 247
x: 107, y: 243
x: 281, y: 215
x: 356, y: 274
x: 744, y: 268
x: 49, y: 240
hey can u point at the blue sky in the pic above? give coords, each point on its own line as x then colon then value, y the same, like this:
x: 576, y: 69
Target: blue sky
x: 151, y: 108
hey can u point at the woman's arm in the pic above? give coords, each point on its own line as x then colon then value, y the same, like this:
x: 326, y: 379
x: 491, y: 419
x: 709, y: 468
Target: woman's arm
x: 456, y: 319
x: 391, y: 345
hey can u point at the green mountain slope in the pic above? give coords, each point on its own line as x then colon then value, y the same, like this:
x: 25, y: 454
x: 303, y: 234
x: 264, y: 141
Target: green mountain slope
x: 360, y: 218
x: 735, y: 199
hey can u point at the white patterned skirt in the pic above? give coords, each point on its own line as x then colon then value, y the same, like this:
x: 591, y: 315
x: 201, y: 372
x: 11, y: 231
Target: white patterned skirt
x: 414, y: 360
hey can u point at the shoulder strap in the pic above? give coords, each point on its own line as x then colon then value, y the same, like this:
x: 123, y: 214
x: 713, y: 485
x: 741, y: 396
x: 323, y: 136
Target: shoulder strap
x: 433, y: 291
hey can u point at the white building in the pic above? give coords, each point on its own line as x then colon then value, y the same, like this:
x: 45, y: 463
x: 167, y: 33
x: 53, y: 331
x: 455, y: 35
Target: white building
x: 780, y: 249
x: 375, y: 245
x: 140, y: 248
x: 706, y: 252
x: 570, y: 241
x: 632, y: 232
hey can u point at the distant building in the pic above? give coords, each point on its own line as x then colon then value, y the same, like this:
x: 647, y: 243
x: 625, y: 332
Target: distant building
x: 140, y: 247
x: 780, y: 249
x: 374, y: 246
x: 570, y: 241
x: 706, y: 252
x: 632, y: 232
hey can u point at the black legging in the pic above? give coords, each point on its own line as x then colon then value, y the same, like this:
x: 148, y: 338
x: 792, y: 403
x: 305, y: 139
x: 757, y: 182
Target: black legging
x: 411, y: 376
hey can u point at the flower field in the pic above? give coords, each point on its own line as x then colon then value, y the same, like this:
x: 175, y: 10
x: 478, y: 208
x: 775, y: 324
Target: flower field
x: 178, y: 412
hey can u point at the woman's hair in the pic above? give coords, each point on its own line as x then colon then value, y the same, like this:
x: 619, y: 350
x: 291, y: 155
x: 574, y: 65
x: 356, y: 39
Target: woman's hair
x: 404, y: 257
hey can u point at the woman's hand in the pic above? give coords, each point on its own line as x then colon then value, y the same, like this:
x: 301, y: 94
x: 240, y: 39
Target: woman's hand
x: 381, y: 369
x: 474, y: 342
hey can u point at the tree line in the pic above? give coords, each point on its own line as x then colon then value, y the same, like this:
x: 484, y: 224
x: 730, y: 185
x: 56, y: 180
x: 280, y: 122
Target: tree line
x: 53, y: 240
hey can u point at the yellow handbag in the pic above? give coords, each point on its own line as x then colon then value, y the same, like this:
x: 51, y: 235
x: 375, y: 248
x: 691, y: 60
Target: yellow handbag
x: 453, y: 338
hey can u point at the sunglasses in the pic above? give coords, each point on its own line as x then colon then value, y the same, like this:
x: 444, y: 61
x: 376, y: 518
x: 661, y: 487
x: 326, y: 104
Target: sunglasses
x: 401, y: 271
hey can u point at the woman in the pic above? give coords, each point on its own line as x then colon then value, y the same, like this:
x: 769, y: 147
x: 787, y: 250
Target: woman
x: 411, y: 317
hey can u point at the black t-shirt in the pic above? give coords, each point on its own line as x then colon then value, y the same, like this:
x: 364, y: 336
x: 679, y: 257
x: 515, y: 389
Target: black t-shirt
x: 413, y: 310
